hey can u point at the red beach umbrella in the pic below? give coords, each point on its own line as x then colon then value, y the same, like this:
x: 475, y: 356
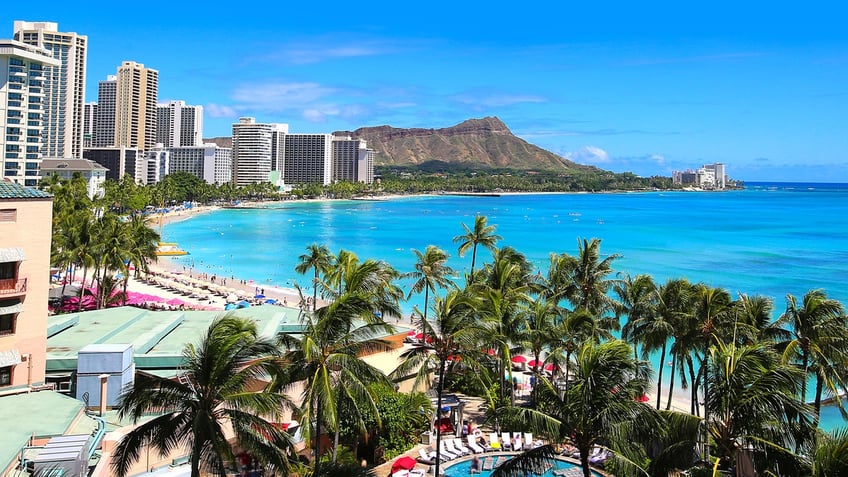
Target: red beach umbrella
x: 519, y: 359
x: 403, y: 462
x: 411, y: 333
x: 532, y: 363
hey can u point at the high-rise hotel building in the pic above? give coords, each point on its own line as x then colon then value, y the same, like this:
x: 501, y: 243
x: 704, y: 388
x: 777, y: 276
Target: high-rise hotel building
x: 135, y: 106
x: 21, y: 109
x: 104, y: 123
x: 179, y: 125
x: 308, y: 159
x: 63, y: 86
x: 257, y: 150
x: 352, y: 160
x: 89, y: 120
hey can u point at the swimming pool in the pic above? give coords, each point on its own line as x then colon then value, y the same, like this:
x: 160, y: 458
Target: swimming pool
x: 461, y: 468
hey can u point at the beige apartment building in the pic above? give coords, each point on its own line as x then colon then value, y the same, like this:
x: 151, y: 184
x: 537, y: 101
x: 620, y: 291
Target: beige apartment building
x: 25, y: 233
x: 137, y: 91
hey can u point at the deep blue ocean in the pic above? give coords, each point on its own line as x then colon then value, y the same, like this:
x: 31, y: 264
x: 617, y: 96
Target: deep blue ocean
x: 769, y: 239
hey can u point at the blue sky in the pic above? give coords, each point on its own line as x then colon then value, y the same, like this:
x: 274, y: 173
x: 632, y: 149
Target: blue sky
x: 647, y: 88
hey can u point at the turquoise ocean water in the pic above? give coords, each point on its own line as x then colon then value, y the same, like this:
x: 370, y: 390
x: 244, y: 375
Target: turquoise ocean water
x: 769, y: 239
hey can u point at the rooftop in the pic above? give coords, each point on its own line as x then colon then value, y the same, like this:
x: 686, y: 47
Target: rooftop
x: 11, y: 190
x: 40, y: 415
x: 70, y: 165
x: 157, y: 337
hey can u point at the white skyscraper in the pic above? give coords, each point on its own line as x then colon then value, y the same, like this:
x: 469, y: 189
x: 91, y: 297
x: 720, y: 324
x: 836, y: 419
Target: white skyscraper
x: 256, y: 150
x: 179, y: 125
x: 21, y: 111
x: 209, y: 162
x: 64, y: 86
x: 104, y: 124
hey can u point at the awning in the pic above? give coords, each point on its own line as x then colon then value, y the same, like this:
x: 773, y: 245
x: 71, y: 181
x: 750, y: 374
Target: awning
x: 8, y: 310
x: 9, y: 358
x: 11, y: 254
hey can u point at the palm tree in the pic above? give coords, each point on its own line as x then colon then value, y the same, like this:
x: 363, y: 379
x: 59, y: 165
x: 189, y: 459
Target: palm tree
x: 337, y: 334
x: 602, y: 397
x: 753, y: 402
x: 635, y: 301
x: 451, y: 338
x: 319, y: 259
x: 819, y: 343
x: 214, y: 392
x: 141, y: 244
x: 583, y: 280
x: 482, y: 234
x: 831, y: 454
x: 430, y: 272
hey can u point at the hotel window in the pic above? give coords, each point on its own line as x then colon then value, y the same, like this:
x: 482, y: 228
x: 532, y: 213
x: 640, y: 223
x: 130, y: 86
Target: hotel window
x: 5, y: 376
x: 7, y: 324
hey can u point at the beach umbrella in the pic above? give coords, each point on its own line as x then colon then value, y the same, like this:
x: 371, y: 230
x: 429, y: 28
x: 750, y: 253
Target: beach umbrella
x: 259, y: 296
x: 411, y: 333
x: 270, y: 301
x: 403, y: 462
x: 518, y: 359
x: 230, y: 306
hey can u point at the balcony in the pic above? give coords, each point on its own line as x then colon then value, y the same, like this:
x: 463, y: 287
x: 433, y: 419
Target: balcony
x: 12, y: 286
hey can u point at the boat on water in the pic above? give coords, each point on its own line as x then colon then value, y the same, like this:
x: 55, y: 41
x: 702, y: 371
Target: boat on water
x: 169, y: 249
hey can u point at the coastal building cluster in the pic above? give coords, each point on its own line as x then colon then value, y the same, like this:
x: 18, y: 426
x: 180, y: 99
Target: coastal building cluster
x: 707, y: 177
x: 50, y: 128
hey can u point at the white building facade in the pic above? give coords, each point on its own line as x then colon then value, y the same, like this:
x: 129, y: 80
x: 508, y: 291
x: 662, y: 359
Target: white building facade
x: 179, y: 125
x: 64, y: 86
x: 93, y: 173
x: 256, y: 150
x: 21, y: 109
x: 210, y: 162
x: 158, y: 164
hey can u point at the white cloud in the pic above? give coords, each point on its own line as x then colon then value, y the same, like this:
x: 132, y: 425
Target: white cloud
x: 219, y: 111
x: 588, y: 155
x: 280, y: 96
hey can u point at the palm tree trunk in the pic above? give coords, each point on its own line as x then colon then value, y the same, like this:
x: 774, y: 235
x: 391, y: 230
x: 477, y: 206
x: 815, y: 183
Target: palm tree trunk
x: 426, y: 300
x: 126, y: 280
x: 315, y: 290
x: 817, y: 403
x: 438, y: 413
x: 195, y: 461
x: 82, y: 288
x: 317, y: 448
x: 584, y: 457
x: 671, y: 381
x: 659, y: 378
x: 693, y: 393
x: 336, y: 443
x: 473, y: 259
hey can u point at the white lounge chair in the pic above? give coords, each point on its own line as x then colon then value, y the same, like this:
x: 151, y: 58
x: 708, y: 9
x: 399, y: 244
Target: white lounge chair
x: 529, y: 443
x: 494, y: 442
x: 506, y: 441
x: 475, y: 448
x: 457, y: 444
x: 449, y: 445
x: 426, y: 458
x: 517, y: 441
x: 442, y: 457
x: 445, y: 451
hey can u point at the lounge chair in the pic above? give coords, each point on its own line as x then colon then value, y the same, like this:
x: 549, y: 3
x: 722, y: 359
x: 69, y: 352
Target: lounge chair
x: 528, y: 441
x: 442, y: 457
x: 600, y: 458
x: 449, y: 445
x: 506, y: 442
x: 457, y: 444
x: 488, y: 463
x: 425, y: 458
x: 517, y: 441
x: 475, y: 448
x: 445, y: 451
x: 494, y: 442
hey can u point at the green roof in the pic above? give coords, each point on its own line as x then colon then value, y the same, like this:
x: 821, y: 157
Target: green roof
x: 10, y: 190
x: 158, y: 337
x: 39, y: 414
